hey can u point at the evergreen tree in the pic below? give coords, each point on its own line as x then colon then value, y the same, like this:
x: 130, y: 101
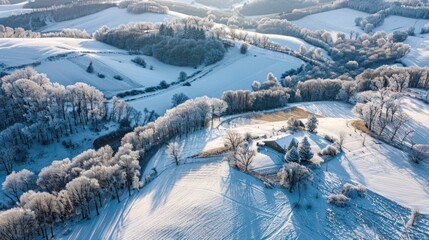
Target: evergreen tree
x: 292, y: 155
x: 312, y: 123
x: 305, y: 150
x: 293, y: 143
x: 90, y: 68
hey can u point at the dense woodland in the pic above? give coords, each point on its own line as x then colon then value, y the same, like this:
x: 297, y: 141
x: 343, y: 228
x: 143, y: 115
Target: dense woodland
x: 35, y: 110
x: 176, y: 43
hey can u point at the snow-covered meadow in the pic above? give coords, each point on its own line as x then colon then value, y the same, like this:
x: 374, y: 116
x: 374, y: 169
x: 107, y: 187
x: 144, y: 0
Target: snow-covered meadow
x: 239, y: 206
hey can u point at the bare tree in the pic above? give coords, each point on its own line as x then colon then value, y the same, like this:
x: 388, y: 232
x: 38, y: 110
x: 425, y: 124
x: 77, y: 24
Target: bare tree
x: 174, y: 152
x: 244, y: 155
x: 233, y: 139
x: 400, y: 121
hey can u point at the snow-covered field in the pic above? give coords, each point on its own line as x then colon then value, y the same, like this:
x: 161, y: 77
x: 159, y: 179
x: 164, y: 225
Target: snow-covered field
x: 111, y: 17
x: 393, y: 23
x: 235, y: 71
x: 340, y: 20
x: 206, y: 198
x: 419, y: 55
x: 13, y: 9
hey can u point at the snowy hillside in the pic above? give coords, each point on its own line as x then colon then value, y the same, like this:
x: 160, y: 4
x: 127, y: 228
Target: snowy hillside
x: 208, y: 124
x: 111, y: 17
x: 76, y: 54
x: 238, y: 206
x: 13, y: 9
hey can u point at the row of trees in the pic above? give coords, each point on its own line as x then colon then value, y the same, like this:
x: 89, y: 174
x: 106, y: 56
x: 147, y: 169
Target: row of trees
x: 68, y: 188
x: 137, y: 7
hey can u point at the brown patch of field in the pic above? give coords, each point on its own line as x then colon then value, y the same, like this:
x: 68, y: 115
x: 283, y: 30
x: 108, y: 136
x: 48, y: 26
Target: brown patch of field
x: 360, y: 125
x: 213, y: 152
x: 284, y: 115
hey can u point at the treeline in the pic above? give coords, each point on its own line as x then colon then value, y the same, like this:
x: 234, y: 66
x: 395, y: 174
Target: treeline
x: 352, y: 56
x: 284, y: 27
x: 381, y: 9
x: 67, y: 189
x: 53, y: 3
x: 139, y: 7
x: 37, y: 19
x: 35, y: 110
x: 8, y: 32
x: 177, y: 43
x: 262, y: 7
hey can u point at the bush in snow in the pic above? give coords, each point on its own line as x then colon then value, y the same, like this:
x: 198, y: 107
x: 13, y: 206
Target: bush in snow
x: 244, y: 48
x: 179, y: 98
x: 339, y: 200
x: 292, y: 155
x: 304, y: 149
x: 292, y: 174
x: 352, y: 191
x: 329, y: 150
x: 329, y: 138
x: 139, y: 61
x: 294, y: 124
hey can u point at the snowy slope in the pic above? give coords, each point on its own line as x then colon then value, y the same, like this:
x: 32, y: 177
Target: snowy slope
x: 393, y: 23
x: 340, y: 20
x: 419, y: 55
x: 207, y: 199
x: 74, y: 55
x: 111, y: 17
x: 235, y: 72
x: 13, y: 9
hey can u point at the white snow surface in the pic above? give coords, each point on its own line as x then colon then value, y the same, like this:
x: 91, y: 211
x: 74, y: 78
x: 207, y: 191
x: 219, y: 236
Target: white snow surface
x: 339, y: 20
x: 207, y: 199
x: 13, y: 9
x: 111, y: 17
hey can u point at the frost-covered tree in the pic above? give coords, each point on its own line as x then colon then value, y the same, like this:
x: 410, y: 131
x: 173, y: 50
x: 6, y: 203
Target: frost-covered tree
x: 54, y: 178
x: 82, y: 191
x: 293, y: 143
x: 17, y: 183
x: 18, y: 223
x: 233, y: 139
x: 292, y: 155
x: 292, y: 174
x: 174, y: 152
x: 110, y: 178
x: 65, y: 205
x: 45, y: 207
x: 304, y: 149
x: 129, y: 164
x: 312, y: 123
x: 244, y: 155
